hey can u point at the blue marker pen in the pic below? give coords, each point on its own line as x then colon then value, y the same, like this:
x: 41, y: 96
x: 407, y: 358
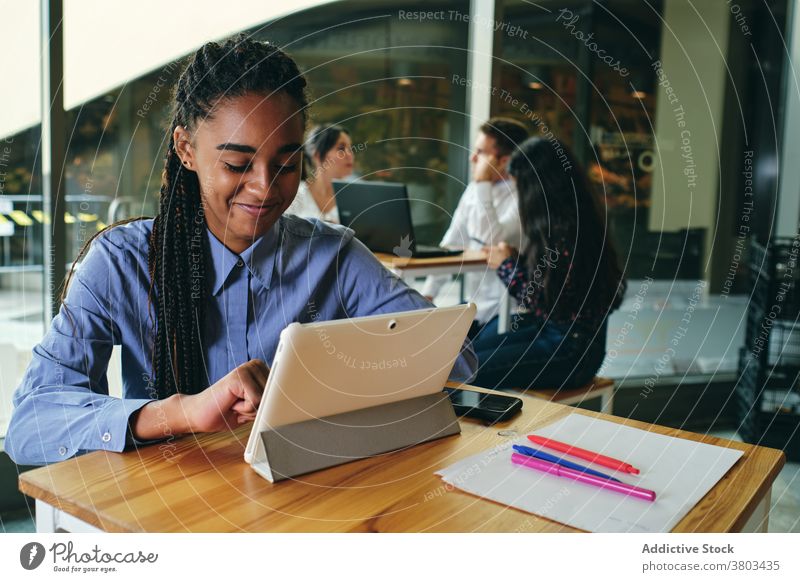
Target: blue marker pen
x: 568, y: 464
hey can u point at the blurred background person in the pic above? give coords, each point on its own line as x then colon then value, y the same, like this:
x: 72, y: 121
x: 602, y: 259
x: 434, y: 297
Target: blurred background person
x: 567, y: 280
x: 487, y: 214
x: 329, y: 156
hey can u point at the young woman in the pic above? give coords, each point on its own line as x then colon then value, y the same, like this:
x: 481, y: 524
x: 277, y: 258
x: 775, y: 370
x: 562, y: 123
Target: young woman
x: 197, y: 296
x: 567, y: 281
x: 330, y: 151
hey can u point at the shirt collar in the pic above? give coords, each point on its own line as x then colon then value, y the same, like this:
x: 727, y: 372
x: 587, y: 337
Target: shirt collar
x: 258, y: 257
x: 506, y: 183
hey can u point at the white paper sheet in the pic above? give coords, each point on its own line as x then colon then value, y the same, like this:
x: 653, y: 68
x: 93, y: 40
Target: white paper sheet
x: 680, y: 471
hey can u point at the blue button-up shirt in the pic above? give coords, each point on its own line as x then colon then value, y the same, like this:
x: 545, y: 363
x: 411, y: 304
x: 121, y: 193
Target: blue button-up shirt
x: 301, y: 270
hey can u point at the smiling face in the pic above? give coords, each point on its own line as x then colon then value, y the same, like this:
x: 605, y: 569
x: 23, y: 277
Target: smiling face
x: 247, y: 156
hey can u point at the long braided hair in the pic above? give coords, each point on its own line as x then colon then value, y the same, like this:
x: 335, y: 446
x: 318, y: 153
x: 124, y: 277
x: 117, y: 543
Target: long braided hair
x: 178, y: 247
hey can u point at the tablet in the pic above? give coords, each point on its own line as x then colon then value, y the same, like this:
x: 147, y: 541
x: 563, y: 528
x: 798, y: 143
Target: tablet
x: 330, y: 367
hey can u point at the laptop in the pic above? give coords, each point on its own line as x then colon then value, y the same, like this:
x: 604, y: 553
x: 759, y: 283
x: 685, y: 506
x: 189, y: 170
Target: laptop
x: 327, y: 368
x: 380, y: 215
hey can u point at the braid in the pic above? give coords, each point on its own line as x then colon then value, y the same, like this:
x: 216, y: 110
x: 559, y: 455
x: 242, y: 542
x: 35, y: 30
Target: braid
x: 178, y: 255
x: 176, y: 260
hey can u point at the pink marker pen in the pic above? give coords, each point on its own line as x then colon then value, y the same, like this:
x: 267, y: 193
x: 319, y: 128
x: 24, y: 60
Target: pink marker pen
x: 559, y: 471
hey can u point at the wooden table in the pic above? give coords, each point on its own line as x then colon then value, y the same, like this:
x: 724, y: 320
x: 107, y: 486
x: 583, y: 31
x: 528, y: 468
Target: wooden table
x: 204, y: 485
x: 470, y: 261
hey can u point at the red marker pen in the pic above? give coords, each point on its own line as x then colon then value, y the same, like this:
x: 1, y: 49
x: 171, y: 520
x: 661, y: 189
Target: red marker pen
x: 584, y: 454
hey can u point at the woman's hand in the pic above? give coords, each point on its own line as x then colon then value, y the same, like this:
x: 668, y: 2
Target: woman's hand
x: 231, y: 401
x: 496, y: 255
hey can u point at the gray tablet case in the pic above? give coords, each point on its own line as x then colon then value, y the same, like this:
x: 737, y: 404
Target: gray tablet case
x: 311, y: 445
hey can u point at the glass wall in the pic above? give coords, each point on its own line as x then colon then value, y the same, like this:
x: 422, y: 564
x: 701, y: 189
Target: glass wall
x: 20, y: 206
x: 21, y: 231
x: 582, y: 72
x: 369, y: 70
x: 365, y: 70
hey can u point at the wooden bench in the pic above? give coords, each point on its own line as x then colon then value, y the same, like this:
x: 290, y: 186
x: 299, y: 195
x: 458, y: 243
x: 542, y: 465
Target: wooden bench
x: 602, y: 388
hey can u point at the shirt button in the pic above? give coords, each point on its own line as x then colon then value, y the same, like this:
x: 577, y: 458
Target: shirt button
x: 240, y: 263
x: 62, y: 451
x: 106, y: 437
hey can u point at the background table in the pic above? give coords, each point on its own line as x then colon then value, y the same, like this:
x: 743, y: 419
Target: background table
x: 202, y: 484
x: 468, y: 262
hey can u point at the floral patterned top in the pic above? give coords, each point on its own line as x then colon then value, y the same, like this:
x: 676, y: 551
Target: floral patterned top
x: 529, y: 289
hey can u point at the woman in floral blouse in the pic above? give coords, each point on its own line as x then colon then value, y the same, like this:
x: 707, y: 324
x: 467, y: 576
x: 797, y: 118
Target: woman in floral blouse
x: 567, y: 280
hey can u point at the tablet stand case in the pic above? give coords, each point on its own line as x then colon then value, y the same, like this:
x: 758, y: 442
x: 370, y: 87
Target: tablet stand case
x: 311, y: 445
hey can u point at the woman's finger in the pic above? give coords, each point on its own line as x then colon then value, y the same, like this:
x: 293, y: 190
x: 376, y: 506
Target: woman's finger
x: 254, y: 387
x: 243, y: 407
x: 261, y: 372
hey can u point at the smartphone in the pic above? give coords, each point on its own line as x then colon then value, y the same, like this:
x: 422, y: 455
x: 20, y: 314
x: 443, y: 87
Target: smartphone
x: 489, y: 407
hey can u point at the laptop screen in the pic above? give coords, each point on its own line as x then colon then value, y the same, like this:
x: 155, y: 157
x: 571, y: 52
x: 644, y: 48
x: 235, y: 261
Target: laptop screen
x: 379, y: 213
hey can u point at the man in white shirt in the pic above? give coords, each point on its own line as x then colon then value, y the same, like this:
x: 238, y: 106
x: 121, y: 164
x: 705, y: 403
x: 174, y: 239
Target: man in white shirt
x: 486, y: 215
